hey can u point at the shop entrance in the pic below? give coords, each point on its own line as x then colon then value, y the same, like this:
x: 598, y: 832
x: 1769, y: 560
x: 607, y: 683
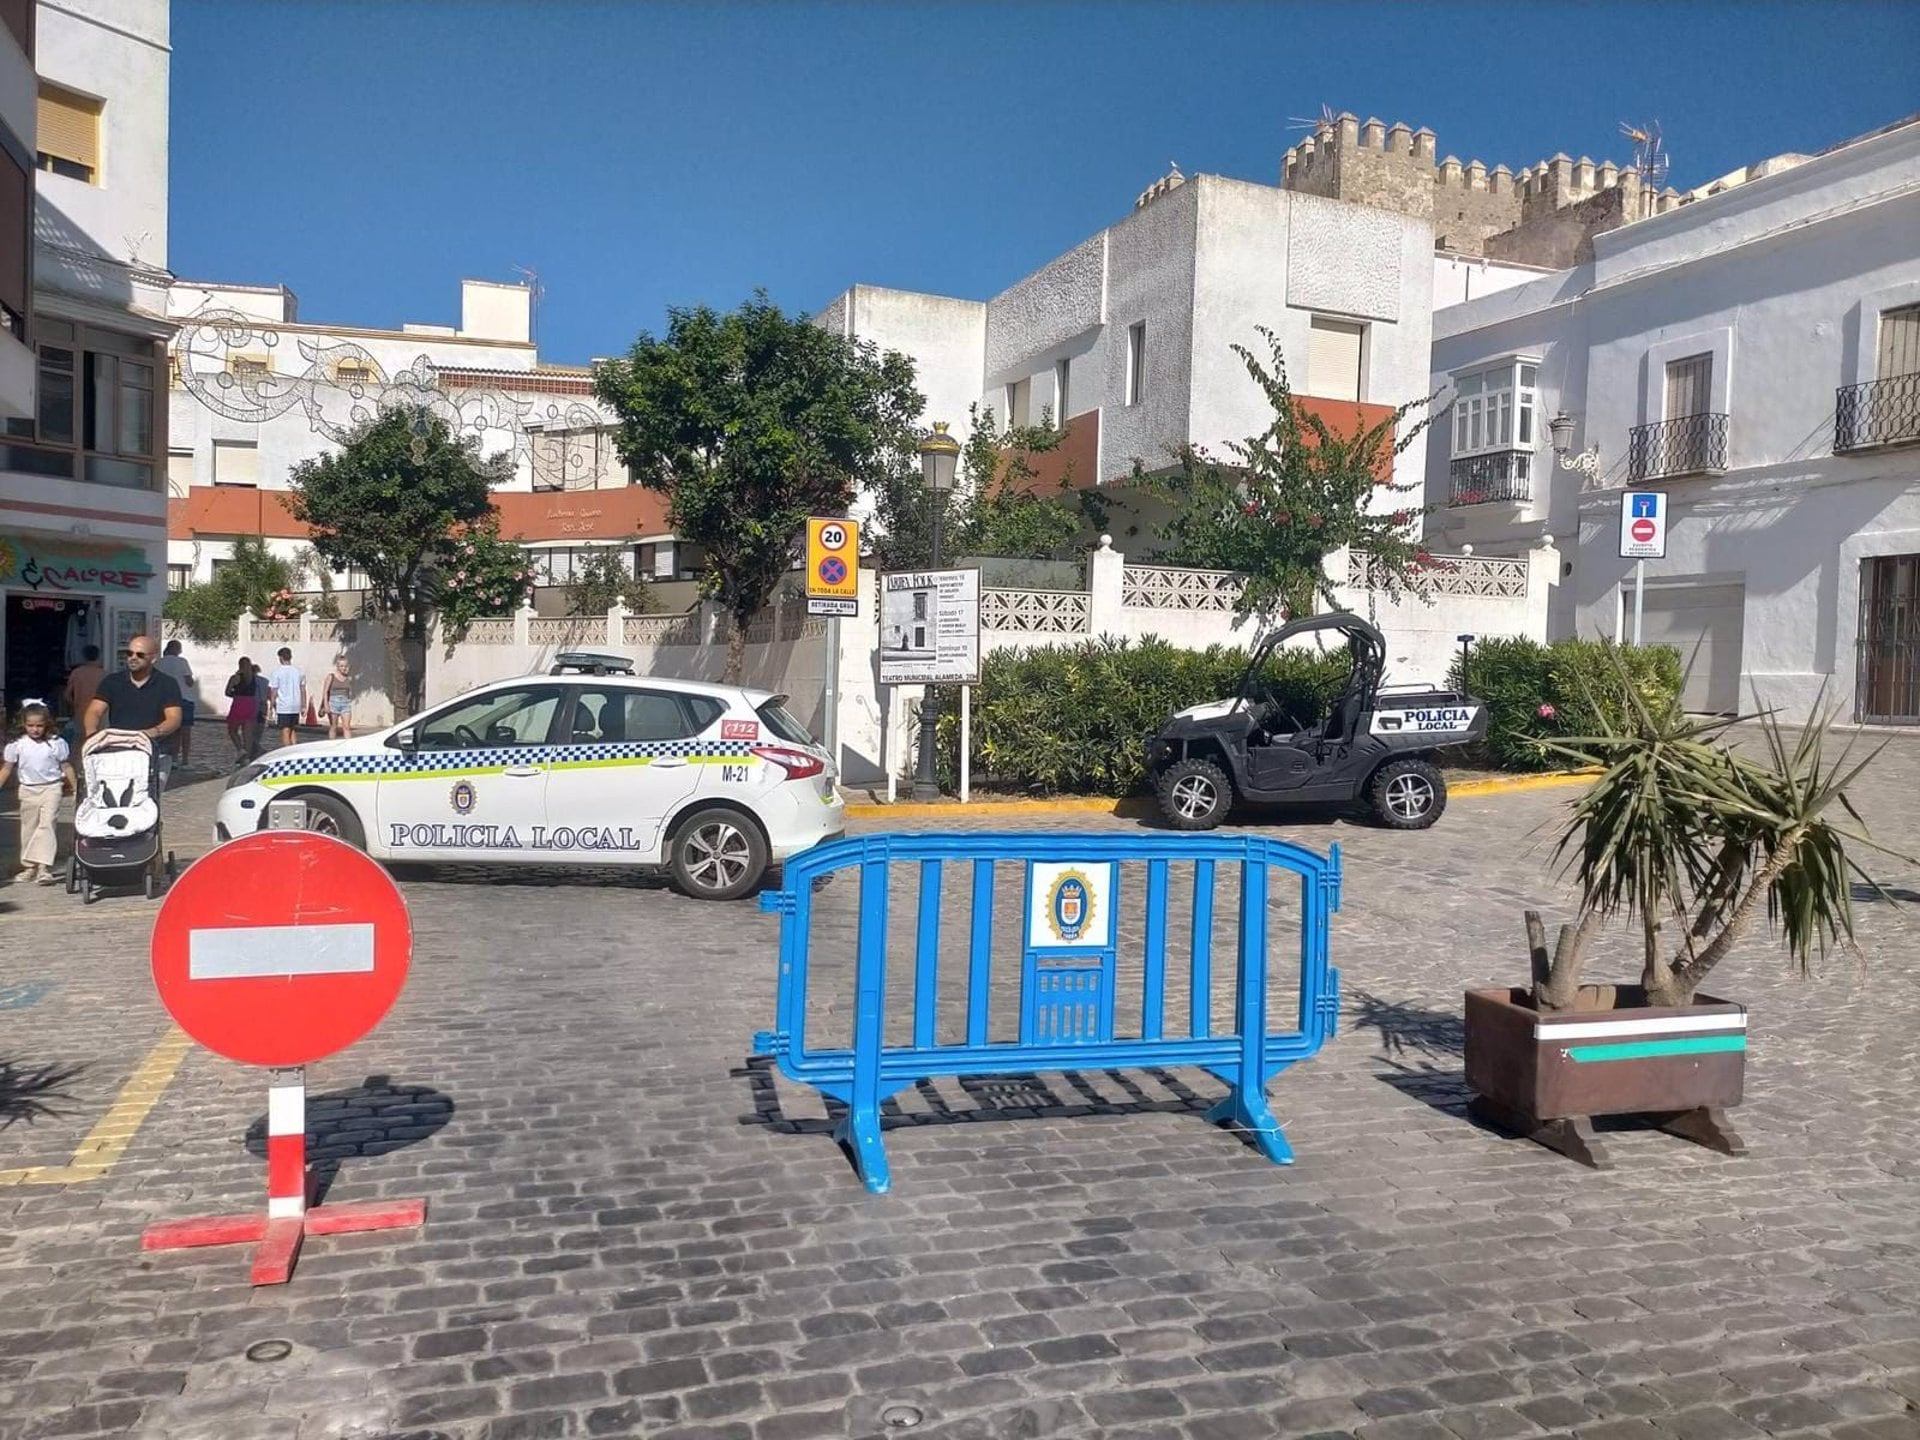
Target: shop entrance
x: 43, y: 640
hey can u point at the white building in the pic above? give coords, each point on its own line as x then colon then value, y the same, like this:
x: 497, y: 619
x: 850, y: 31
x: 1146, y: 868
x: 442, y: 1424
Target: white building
x: 1754, y: 354
x: 82, y: 497
x: 1128, y: 337
x: 254, y: 390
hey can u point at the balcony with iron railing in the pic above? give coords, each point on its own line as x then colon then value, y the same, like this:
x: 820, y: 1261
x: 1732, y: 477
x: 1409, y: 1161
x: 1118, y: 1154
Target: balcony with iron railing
x: 1501, y: 477
x: 1686, y: 445
x: 1880, y: 412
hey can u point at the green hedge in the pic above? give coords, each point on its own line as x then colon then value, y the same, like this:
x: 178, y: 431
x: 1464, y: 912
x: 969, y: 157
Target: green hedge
x: 1575, y: 680
x: 1073, y: 719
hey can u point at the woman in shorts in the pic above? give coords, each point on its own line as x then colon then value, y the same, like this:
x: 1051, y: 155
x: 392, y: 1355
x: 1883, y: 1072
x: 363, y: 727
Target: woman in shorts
x: 336, y: 700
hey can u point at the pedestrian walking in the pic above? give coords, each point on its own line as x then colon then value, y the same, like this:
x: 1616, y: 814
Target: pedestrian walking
x: 243, y: 709
x: 141, y: 698
x: 83, y: 681
x: 336, y: 700
x: 289, y: 689
x: 174, y: 664
x: 43, y: 762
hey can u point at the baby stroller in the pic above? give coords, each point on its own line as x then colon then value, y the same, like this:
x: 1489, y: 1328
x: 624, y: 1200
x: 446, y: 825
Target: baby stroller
x: 116, y: 825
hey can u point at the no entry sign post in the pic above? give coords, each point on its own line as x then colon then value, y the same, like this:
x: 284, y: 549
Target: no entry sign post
x: 277, y: 950
x: 1643, y: 537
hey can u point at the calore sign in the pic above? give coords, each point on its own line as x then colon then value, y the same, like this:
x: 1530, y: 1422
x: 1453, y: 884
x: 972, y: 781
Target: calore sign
x: 1437, y: 720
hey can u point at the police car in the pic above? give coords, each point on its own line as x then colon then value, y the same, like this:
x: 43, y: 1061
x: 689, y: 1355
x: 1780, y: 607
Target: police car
x: 586, y: 765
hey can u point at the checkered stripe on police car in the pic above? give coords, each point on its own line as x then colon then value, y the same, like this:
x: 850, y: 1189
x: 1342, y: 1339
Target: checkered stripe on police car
x: 481, y: 762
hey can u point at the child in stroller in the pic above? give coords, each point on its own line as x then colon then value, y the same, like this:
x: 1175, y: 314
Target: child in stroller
x: 116, y: 825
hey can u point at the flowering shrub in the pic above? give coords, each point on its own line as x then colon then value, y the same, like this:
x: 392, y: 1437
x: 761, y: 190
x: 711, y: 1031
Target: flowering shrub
x: 1565, y: 690
x: 481, y: 574
x: 282, y: 605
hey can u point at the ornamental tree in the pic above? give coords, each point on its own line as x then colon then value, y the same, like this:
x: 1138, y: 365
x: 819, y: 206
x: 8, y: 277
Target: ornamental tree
x: 389, y: 503
x: 254, y: 579
x: 1292, y: 495
x: 748, y: 423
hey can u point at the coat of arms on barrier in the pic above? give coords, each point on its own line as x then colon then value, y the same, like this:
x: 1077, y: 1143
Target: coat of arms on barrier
x: 1069, y: 906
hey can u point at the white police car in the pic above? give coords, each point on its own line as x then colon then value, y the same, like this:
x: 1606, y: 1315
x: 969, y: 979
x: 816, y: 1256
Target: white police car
x: 587, y: 765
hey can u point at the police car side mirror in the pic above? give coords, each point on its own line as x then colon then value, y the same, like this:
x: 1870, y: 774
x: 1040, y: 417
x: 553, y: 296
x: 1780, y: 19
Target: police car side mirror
x: 404, y: 739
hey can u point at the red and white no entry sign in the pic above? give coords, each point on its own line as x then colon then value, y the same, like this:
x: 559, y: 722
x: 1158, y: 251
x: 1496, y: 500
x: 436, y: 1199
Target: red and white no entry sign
x: 281, y: 948
x: 1643, y: 530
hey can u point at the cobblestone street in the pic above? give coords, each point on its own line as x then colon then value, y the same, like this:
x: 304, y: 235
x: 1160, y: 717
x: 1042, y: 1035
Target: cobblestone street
x: 633, y: 1230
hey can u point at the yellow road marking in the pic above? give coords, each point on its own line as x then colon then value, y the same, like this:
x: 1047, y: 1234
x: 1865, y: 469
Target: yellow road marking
x: 108, y: 1139
x: 1095, y: 805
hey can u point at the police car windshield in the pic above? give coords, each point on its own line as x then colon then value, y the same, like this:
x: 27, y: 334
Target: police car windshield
x: 776, y: 718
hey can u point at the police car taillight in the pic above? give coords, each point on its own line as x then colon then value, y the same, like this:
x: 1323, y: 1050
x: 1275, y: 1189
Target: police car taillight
x: 798, y: 764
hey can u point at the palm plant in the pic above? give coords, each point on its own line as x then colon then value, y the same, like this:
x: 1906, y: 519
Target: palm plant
x: 1682, y: 827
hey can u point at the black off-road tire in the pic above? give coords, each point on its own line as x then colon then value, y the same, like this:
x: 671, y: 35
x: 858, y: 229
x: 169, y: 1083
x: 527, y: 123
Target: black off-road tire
x: 1194, y: 794
x: 1407, y: 794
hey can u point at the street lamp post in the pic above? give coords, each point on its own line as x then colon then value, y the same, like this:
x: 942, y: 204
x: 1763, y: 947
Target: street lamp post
x: 939, y: 457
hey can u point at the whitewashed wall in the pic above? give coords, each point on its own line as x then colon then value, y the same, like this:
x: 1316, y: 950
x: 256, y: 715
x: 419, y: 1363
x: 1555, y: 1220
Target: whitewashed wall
x: 787, y: 653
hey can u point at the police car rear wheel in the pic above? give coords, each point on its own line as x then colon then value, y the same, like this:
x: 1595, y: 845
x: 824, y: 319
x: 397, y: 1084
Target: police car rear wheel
x: 718, y: 855
x: 335, y: 818
x: 1408, y: 794
x: 1194, y: 794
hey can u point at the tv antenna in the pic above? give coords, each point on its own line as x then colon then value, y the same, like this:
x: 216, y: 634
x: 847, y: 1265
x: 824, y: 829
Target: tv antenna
x: 531, y: 279
x: 1328, y: 119
x: 1649, y: 156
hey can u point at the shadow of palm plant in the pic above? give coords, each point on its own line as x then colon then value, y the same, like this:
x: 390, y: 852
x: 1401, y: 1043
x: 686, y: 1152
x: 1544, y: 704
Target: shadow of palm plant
x: 26, y: 1090
x: 1407, y: 1029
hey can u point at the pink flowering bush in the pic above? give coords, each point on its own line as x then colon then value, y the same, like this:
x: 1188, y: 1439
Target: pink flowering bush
x: 481, y: 575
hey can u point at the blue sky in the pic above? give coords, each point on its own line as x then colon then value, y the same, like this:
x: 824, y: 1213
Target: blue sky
x: 642, y: 155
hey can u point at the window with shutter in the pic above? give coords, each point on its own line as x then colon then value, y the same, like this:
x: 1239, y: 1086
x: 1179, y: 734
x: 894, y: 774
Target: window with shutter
x: 1689, y: 386
x: 1333, y: 359
x: 1899, y: 342
x: 69, y: 134
x: 236, y: 462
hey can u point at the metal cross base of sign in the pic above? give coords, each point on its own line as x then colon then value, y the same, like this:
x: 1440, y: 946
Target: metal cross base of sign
x: 290, y: 1215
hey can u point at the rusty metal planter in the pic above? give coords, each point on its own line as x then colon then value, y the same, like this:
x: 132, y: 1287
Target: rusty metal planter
x: 1546, y: 1075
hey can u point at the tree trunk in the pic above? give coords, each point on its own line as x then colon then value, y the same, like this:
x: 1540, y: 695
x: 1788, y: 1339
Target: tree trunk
x: 1537, y: 952
x: 1689, y: 975
x: 1569, y: 959
x: 406, y: 664
x: 736, y: 650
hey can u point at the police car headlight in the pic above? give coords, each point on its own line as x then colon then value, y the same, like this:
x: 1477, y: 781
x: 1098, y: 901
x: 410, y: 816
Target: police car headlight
x: 245, y: 775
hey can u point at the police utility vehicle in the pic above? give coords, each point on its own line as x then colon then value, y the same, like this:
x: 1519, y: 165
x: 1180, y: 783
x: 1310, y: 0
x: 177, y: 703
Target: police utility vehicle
x: 587, y: 765
x: 1373, y: 746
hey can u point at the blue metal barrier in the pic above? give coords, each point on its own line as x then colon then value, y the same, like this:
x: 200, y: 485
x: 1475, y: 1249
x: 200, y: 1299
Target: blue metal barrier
x: 1068, y: 971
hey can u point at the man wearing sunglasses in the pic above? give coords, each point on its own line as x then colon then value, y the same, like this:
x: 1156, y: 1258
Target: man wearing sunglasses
x: 142, y: 698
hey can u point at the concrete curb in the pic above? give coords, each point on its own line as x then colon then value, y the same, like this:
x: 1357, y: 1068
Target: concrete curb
x: 1140, y: 805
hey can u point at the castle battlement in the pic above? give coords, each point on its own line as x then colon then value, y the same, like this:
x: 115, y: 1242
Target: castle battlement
x: 1396, y: 167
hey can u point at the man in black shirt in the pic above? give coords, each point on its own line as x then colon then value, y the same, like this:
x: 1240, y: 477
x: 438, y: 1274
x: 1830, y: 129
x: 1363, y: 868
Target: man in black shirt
x: 139, y: 698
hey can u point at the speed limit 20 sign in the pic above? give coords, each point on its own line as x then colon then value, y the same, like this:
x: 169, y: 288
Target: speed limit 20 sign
x: 833, y: 566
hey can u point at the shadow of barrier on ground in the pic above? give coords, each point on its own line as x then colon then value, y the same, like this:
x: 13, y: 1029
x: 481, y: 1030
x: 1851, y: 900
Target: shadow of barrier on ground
x: 375, y: 1117
x: 1070, y: 979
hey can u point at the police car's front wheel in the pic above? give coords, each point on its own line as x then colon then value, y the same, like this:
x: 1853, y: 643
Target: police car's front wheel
x: 718, y: 855
x: 328, y: 815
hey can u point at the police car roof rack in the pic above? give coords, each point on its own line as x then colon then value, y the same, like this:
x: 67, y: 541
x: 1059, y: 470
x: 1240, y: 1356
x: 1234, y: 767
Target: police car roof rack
x: 587, y: 662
